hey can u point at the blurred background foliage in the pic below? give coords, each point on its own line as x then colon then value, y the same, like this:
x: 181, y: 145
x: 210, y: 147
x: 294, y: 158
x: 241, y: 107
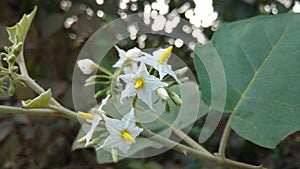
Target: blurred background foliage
x: 54, y: 41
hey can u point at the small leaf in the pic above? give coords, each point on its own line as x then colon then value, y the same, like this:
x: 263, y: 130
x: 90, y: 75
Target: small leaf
x: 41, y: 101
x: 18, y: 32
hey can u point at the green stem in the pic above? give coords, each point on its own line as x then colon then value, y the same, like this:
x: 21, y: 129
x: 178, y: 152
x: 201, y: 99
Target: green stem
x: 223, y: 162
x: 224, y: 139
x: 35, y: 111
x: 21, y: 63
x: 102, y: 69
x: 65, y: 112
x: 182, y: 135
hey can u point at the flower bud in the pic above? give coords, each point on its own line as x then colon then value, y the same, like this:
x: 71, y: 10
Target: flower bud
x: 176, y: 98
x: 11, y: 59
x: 7, y: 49
x: 15, y: 69
x: 3, y: 55
x: 87, y: 66
x: 180, y: 72
x: 184, y: 79
x: 162, y: 93
x: 93, y: 142
x: 18, y: 48
x: 11, y: 89
x: 82, y: 140
x: 114, y: 154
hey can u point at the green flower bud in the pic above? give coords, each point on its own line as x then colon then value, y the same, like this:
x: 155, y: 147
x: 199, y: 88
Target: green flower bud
x: 114, y: 154
x: 184, y: 79
x: 11, y: 89
x: 7, y: 49
x: 11, y: 59
x: 93, y: 142
x: 81, y: 140
x: 3, y: 55
x: 176, y: 98
x: 18, y: 48
x: 180, y: 72
x: 15, y: 69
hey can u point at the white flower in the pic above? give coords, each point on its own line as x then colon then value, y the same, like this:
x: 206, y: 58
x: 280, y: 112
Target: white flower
x: 159, y: 62
x: 122, y: 132
x: 129, y: 58
x: 87, y: 66
x: 94, y: 119
x: 141, y: 84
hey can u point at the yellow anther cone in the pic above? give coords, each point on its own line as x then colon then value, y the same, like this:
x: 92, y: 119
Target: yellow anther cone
x: 165, y: 56
x: 86, y: 115
x: 128, y: 137
x: 139, y: 83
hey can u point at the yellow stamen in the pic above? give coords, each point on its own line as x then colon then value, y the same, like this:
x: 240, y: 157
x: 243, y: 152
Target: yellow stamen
x: 86, y: 115
x: 128, y: 137
x: 139, y: 83
x: 165, y: 56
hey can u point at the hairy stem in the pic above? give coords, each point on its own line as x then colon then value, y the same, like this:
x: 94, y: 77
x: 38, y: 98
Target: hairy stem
x: 35, y: 111
x: 66, y: 112
x: 21, y: 63
x: 187, y: 139
x: 223, y: 162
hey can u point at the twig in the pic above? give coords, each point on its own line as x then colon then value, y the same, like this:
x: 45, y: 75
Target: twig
x: 35, y: 112
x: 223, y: 162
x: 224, y: 139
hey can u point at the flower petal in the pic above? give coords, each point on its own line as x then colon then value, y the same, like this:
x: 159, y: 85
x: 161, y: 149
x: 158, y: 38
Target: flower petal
x: 134, y: 53
x: 145, y: 96
x: 127, y: 78
x: 111, y: 142
x: 112, y: 125
x: 124, y: 146
x: 128, y: 119
x: 104, y: 102
x: 135, y: 131
x: 128, y: 91
x: 95, y: 123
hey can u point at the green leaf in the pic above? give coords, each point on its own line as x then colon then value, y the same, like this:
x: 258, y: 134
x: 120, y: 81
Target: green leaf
x: 261, y: 58
x: 17, y: 33
x: 42, y: 100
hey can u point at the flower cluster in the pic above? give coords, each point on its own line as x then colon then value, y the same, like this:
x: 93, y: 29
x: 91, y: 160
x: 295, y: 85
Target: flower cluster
x: 140, y: 83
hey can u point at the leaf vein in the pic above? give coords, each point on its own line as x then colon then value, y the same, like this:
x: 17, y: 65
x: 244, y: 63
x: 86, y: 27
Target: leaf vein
x: 271, y: 101
x: 245, y: 53
x: 278, y: 77
x: 258, y: 70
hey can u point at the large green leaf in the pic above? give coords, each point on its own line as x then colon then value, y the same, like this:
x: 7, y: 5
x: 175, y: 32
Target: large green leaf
x: 261, y: 58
